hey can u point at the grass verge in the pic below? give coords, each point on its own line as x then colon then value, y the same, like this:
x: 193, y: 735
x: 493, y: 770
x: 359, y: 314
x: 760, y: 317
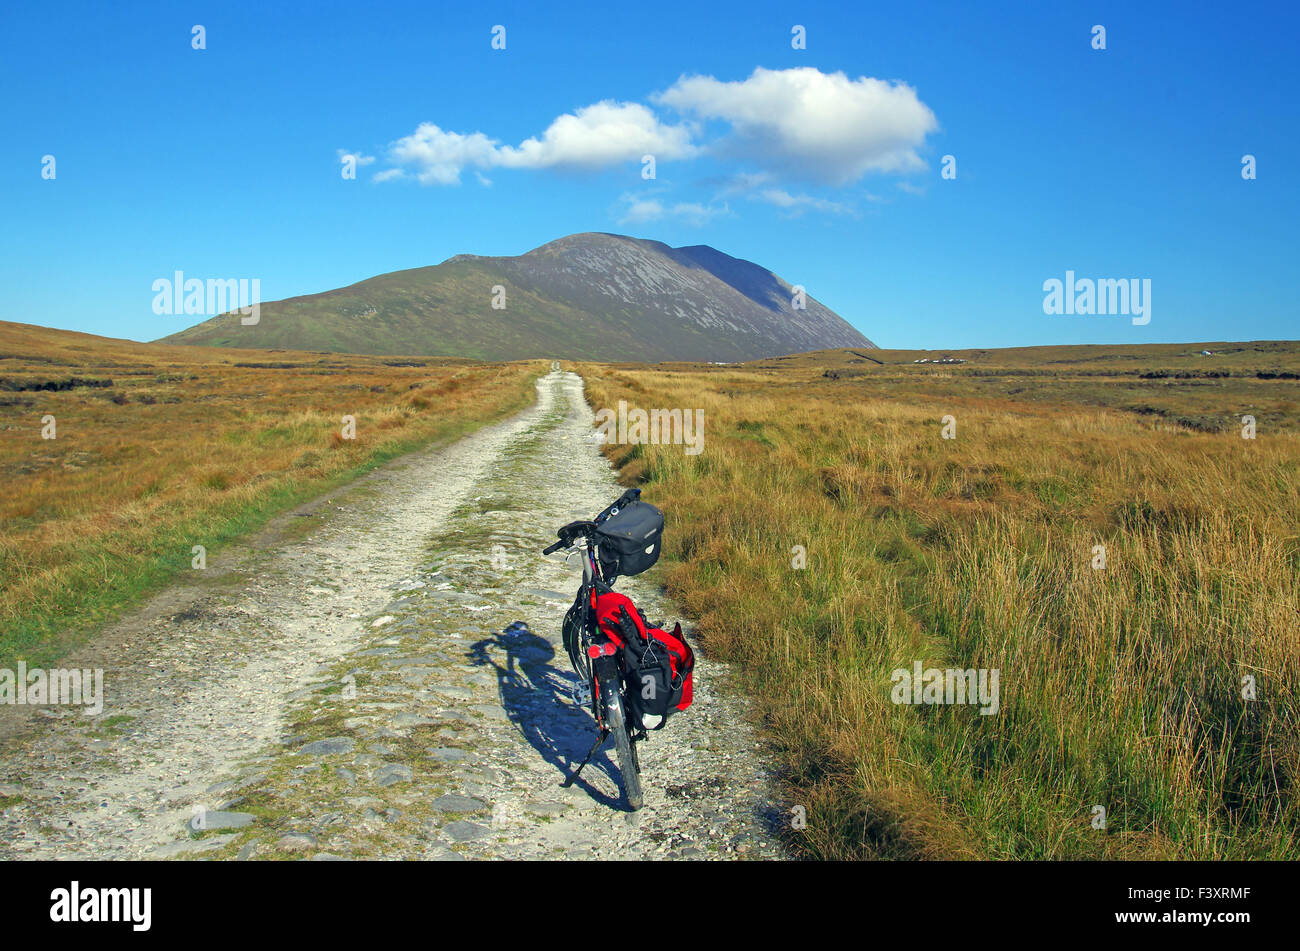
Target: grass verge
x: 1122, y: 688
x: 187, y: 447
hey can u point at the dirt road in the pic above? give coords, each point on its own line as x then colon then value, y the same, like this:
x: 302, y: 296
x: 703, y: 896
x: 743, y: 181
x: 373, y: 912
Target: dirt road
x: 378, y: 675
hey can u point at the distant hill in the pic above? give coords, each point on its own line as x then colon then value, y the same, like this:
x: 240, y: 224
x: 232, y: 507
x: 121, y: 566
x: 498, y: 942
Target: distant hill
x: 588, y: 296
x: 39, y: 352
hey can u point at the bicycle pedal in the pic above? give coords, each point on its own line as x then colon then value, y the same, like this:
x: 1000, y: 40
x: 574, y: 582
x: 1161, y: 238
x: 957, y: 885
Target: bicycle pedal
x: 582, y: 694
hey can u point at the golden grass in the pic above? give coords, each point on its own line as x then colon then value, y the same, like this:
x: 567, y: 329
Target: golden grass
x: 187, y: 447
x: 1119, y: 688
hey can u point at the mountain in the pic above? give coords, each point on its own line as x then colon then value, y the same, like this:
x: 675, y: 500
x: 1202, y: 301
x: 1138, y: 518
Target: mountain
x: 588, y: 296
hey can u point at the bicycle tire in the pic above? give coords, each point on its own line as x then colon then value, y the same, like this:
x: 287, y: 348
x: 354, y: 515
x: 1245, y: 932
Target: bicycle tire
x: 627, y: 761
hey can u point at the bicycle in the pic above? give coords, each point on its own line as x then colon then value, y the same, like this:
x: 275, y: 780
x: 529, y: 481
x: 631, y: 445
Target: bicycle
x: 596, y: 659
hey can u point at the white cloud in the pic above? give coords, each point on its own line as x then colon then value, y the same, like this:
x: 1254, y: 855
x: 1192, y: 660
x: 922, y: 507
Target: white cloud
x: 640, y: 210
x: 793, y: 125
x: 798, y: 204
x: 436, y: 157
x: 762, y: 186
x: 595, y: 136
x: 358, y: 157
x: 694, y: 213
x: 605, y: 133
x: 811, y: 124
x: 743, y: 182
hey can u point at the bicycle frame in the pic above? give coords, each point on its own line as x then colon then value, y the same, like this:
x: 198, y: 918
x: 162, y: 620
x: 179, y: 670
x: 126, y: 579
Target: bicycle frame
x: 596, y: 652
x: 602, y: 666
x: 600, y: 660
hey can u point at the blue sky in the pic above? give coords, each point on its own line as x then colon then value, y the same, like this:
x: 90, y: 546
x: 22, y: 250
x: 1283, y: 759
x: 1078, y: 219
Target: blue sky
x: 225, y: 162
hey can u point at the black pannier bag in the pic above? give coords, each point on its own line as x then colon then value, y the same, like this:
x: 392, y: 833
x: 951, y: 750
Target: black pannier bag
x: 628, y: 542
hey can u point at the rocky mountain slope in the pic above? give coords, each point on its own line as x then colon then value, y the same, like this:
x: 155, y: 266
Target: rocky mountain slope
x: 588, y: 296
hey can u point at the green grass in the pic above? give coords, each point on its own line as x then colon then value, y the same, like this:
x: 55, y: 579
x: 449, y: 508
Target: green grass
x: 108, y: 513
x: 1119, y: 688
x: 100, y: 592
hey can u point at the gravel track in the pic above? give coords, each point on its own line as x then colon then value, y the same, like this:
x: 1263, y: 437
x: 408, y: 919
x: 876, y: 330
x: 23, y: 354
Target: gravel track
x: 378, y: 675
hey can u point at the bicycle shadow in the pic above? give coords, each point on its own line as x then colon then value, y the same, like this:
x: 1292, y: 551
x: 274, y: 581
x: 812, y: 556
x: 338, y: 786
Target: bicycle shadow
x: 538, y: 699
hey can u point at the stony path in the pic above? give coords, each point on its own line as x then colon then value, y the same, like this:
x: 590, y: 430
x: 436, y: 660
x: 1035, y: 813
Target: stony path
x: 389, y: 684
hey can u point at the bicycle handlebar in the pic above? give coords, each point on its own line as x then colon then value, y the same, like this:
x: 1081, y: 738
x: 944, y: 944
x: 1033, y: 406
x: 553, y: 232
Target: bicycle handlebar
x: 568, y: 533
x: 571, y: 531
x: 631, y: 495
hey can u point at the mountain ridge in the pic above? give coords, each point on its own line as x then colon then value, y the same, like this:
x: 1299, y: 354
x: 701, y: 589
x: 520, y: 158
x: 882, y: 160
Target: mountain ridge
x: 592, y: 295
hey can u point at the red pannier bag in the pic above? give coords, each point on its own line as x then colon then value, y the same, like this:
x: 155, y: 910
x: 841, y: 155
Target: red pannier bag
x: 657, y: 664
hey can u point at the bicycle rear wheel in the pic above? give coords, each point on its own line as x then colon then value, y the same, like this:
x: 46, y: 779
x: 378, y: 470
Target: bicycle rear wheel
x: 627, y: 761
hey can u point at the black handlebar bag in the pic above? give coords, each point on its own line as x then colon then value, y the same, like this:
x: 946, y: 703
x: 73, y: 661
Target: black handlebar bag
x: 628, y: 542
